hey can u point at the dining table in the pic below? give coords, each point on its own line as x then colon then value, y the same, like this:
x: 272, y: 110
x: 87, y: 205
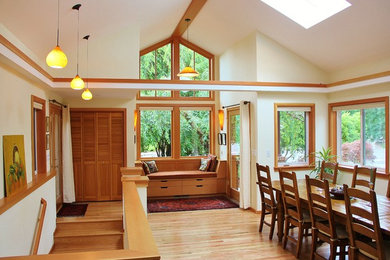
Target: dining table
x: 338, y: 206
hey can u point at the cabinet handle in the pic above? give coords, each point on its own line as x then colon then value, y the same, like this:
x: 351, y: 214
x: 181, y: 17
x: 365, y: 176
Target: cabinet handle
x: 164, y: 187
x: 164, y: 181
x: 199, y: 179
x: 199, y: 186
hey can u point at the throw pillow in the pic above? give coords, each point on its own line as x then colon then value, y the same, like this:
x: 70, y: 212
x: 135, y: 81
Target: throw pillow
x: 204, y: 164
x: 213, y: 162
x: 146, y: 168
x: 152, y: 166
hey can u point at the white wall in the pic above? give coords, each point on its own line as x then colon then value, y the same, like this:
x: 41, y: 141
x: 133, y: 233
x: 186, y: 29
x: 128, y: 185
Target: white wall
x: 275, y: 63
x: 18, y: 223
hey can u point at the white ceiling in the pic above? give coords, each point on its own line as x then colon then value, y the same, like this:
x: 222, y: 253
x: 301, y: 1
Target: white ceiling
x: 359, y: 34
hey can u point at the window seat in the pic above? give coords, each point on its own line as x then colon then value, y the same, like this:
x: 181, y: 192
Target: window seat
x: 182, y: 177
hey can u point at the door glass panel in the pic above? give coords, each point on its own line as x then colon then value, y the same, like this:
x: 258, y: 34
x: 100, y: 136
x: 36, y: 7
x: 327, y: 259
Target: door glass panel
x: 234, y: 137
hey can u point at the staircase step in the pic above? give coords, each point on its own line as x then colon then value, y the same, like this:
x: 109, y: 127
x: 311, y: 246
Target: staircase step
x: 86, y: 233
x: 88, y: 226
x: 85, y: 243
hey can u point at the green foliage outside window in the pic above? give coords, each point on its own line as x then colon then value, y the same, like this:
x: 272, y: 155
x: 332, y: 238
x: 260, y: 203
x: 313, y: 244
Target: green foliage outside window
x: 155, y: 93
x: 157, y: 64
x: 155, y: 133
x: 201, y: 64
x: 194, y: 93
x: 292, y: 137
x: 194, y: 132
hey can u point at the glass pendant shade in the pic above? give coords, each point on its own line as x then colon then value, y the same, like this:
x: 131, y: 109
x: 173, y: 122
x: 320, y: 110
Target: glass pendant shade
x: 87, y: 95
x: 188, y: 72
x: 77, y: 83
x: 56, y: 58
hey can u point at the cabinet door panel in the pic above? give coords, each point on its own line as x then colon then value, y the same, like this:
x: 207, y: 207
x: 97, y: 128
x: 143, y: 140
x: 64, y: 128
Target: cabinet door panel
x: 116, y: 184
x: 104, y: 180
x: 90, y: 183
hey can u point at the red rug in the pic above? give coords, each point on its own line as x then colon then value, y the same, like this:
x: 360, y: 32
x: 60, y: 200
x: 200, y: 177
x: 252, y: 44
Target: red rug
x: 168, y: 205
x: 72, y: 210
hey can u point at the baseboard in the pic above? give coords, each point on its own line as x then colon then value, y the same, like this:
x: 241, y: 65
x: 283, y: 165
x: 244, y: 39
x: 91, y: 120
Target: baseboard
x: 255, y: 211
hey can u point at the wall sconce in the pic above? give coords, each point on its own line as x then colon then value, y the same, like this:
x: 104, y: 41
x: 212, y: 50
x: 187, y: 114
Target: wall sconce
x: 221, y: 136
x: 135, y: 125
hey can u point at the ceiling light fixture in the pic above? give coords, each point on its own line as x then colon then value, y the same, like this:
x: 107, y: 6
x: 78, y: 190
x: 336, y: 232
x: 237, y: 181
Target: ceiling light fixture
x: 308, y: 13
x: 188, y: 72
x: 57, y: 58
x: 77, y: 83
x: 87, y: 95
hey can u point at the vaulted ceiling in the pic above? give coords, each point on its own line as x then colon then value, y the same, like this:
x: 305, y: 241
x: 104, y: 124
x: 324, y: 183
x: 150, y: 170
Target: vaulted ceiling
x: 359, y: 34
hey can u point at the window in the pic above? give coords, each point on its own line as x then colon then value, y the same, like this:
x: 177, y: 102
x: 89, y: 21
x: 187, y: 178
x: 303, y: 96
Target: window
x: 359, y: 132
x: 174, y: 131
x: 294, y: 134
x: 194, y: 132
x: 156, y: 132
x: 155, y: 93
x: 38, y: 138
x: 156, y: 64
x: 198, y: 62
x: 194, y: 93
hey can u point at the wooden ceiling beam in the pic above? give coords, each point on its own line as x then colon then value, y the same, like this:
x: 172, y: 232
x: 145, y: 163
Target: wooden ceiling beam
x: 191, y: 12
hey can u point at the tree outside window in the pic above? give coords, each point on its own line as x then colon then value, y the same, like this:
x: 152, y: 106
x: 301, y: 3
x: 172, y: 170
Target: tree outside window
x: 194, y: 132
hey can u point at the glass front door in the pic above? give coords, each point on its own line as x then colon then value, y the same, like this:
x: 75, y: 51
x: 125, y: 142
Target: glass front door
x: 234, y: 152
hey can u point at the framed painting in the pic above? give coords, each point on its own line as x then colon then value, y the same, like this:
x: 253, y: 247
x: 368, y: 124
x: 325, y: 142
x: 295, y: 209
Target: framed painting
x: 14, y: 163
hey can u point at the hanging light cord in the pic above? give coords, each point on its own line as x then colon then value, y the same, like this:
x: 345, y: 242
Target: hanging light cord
x: 78, y: 37
x: 86, y: 38
x: 58, y: 21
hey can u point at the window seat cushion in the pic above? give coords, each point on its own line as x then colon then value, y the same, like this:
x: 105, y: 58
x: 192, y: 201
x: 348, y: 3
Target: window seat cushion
x: 181, y: 174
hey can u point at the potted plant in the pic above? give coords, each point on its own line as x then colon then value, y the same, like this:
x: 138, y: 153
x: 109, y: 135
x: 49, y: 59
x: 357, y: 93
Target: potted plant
x: 325, y: 154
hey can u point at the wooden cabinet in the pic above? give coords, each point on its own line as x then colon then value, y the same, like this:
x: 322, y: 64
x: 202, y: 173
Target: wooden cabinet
x: 98, y: 144
x: 174, y: 187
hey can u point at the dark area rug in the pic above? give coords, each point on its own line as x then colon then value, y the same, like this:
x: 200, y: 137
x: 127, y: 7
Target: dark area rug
x: 169, y: 205
x: 72, y: 210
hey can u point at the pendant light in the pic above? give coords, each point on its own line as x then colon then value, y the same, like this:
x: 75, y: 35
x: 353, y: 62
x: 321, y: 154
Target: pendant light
x: 57, y: 58
x: 87, y: 95
x: 77, y: 82
x: 188, y: 71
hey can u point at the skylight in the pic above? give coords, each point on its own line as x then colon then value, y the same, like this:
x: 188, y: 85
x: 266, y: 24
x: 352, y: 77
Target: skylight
x: 308, y: 12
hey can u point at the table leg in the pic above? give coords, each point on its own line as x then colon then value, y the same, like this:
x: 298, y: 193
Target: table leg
x: 280, y: 214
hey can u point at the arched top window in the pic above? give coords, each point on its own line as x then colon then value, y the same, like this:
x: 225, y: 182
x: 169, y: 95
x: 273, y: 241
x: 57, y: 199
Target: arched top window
x: 164, y: 60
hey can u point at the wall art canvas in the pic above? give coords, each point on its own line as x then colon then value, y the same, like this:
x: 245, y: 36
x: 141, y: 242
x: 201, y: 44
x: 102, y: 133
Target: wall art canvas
x: 14, y: 163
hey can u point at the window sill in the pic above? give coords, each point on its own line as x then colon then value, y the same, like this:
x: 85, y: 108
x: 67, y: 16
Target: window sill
x: 37, y: 181
x: 294, y: 168
x: 348, y: 168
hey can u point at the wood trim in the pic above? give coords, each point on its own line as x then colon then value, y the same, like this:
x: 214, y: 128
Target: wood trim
x: 358, y: 79
x: 41, y: 219
x: 294, y: 168
x: 312, y: 139
x: 155, y: 46
x: 175, y: 95
x: 333, y: 125
x: 98, y: 110
x: 254, y: 211
x: 41, y: 135
x: 137, y: 230
x: 37, y: 181
x: 140, y: 181
x: 229, y: 190
x: 175, y: 129
x: 191, y: 12
x: 24, y: 57
x: 196, y: 48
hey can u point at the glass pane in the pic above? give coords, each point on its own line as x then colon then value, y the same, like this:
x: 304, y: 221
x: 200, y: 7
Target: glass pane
x: 186, y: 59
x: 163, y: 59
x: 147, y: 93
x: 194, y: 132
x: 202, y: 66
x: 147, y: 66
x: 292, y: 138
x: 202, y: 93
x: 234, y: 137
x: 155, y: 133
x: 350, y: 137
x: 186, y: 93
x: 375, y: 137
x: 163, y: 93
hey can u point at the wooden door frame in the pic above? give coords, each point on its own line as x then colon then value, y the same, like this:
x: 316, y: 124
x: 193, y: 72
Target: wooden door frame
x: 53, y: 109
x: 230, y: 192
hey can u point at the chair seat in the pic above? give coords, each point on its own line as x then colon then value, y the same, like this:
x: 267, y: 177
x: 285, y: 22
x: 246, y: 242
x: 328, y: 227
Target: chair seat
x: 386, y: 245
x: 341, y: 232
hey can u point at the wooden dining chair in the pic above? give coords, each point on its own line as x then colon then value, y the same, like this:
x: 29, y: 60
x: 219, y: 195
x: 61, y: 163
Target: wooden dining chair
x: 325, y: 174
x: 268, y: 202
x: 322, y: 219
x: 295, y: 216
x: 371, y: 172
x: 364, y: 230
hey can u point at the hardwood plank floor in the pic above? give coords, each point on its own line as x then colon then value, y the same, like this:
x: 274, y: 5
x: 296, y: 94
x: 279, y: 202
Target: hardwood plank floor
x: 214, y: 234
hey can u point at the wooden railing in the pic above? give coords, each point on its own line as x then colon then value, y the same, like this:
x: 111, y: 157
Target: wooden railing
x: 138, y: 238
x: 38, y: 232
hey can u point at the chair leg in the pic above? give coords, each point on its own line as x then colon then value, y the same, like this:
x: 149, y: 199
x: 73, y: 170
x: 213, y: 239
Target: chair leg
x: 286, y: 230
x: 262, y: 215
x: 299, y: 241
x: 313, y: 243
x: 273, y: 221
x: 343, y: 252
x: 333, y: 251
